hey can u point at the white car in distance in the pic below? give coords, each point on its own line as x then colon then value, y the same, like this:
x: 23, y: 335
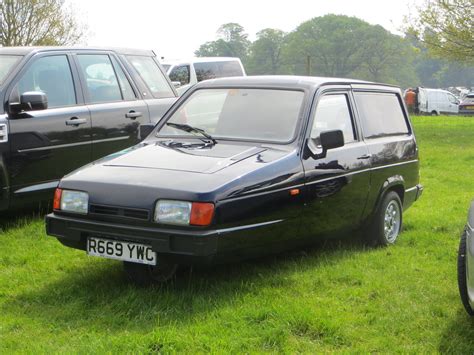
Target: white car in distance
x: 186, y: 73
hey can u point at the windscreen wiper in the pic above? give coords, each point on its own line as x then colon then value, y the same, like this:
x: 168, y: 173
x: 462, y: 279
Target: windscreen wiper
x: 191, y: 129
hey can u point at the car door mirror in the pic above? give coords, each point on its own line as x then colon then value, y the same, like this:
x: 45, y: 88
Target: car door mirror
x: 327, y: 140
x: 145, y: 130
x: 30, y: 101
x: 332, y: 139
x: 176, y: 84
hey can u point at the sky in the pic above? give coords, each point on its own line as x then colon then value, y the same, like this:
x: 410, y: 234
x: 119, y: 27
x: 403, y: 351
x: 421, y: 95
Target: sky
x: 175, y: 29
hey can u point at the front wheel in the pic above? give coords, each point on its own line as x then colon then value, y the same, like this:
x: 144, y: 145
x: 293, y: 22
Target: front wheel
x: 145, y: 275
x: 462, y: 277
x: 387, y: 222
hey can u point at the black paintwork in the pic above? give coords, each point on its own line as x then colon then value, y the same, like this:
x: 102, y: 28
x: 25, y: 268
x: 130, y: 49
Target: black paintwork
x: 45, y: 144
x: 249, y: 182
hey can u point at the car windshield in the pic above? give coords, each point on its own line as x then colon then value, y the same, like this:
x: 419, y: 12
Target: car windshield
x: 238, y: 113
x: 7, y: 62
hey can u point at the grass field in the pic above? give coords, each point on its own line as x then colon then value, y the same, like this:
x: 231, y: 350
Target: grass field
x: 339, y: 296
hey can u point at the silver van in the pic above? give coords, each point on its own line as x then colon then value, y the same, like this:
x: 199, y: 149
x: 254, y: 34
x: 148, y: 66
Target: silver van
x: 437, y: 101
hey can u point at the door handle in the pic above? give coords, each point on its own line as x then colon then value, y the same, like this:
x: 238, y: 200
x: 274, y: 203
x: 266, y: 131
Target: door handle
x: 365, y: 156
x: 74, y: 121
x: 133, y: 115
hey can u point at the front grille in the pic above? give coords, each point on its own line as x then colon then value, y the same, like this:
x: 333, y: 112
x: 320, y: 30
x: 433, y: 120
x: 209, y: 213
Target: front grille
x: 119, y: 212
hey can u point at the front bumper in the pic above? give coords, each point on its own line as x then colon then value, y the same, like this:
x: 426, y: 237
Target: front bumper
x: 184, y: 247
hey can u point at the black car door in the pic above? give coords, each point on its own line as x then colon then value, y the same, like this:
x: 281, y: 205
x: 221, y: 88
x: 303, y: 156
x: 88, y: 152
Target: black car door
x: 116, y: 108
x: 47, y: 144
x: 337, y: 185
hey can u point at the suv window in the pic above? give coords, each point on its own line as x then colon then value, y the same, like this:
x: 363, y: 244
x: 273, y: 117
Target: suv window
x: 151, y: 74
x: 180, y: 74
x: 7, y: 62
x: 333, y: 113
x: 212, y: 70
x: 51, y: 75
x: 127, y: 91
x: 101, y: 82
x: 381, y: 114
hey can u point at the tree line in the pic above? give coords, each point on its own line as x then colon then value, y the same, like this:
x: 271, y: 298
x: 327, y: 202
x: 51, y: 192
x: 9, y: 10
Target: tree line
x: 340, y: 46
x: 437, y: 49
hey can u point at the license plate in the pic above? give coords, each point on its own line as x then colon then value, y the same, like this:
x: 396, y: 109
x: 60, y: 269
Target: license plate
x: 120, y: 250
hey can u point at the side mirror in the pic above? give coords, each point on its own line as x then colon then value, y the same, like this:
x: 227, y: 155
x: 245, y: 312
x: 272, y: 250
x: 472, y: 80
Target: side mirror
x: 327, y: 140
x: 145, y: 129
x: 30, y: 101
x: 332, y: 139
x: 176, y: 84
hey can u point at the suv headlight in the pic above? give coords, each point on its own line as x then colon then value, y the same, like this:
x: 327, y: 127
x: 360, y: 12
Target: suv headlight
x: 184, y: 212
x: 71, y: 201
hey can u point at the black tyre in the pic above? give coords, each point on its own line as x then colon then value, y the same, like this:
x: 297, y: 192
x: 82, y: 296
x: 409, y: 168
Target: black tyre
x: 387, y: 221
x: 462, y: 280
x: 434, y: 113
x: 145, y: 275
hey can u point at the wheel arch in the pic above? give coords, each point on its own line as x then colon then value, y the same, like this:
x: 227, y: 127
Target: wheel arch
x: 394, y: 183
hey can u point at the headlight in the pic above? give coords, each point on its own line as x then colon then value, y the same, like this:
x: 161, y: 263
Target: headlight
x: 71, y: 201
x: 173, y: 212
x: 184, y: 212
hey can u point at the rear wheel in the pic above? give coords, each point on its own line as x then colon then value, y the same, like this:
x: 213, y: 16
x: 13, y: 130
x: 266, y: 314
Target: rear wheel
x: 145, y: 275
x: 434, y: 113
x: 462, y: 279
x: 387, y: 222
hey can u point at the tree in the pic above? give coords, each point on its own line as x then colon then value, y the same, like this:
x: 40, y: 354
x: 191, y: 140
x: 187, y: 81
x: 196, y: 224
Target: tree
x: 232, y: 42
x: 388, y: 58
x: 38, y: 22
x: 447, y: 28
x: 332, y: 42
x: 265, y: 55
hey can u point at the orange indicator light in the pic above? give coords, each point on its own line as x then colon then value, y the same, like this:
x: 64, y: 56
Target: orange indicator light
x: 294, y: 192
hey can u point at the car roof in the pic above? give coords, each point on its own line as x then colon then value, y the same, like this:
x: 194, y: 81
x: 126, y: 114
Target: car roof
x: 287, y: 81
x: 199, y: 60
x: 28, y: 50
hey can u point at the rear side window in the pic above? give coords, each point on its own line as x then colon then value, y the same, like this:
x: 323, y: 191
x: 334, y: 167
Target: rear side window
x: 151, y: 74
x: 381, y: 114
x: 127, y: 91
x: 101, y: 82
x: 212, y: 70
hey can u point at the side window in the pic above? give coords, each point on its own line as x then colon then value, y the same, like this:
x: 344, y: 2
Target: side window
x: 452, y: 99
x: 51, y: 75
x: 180, y: 74
x: 151, y: 74
x: 205, y: 71
x: 381, y: 114
x: 101, y: 81
x: 127, y: 91
x: 333, y: 113
x: 231, y: 68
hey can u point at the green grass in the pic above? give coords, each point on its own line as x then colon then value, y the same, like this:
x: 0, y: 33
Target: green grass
x: 337, y: 297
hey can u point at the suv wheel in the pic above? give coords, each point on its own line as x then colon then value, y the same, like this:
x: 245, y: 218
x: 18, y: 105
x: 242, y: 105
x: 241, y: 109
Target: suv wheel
x: 462, y: 280
x: 387, y: 222
x: 145, y: 275
x: 434, y: 113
